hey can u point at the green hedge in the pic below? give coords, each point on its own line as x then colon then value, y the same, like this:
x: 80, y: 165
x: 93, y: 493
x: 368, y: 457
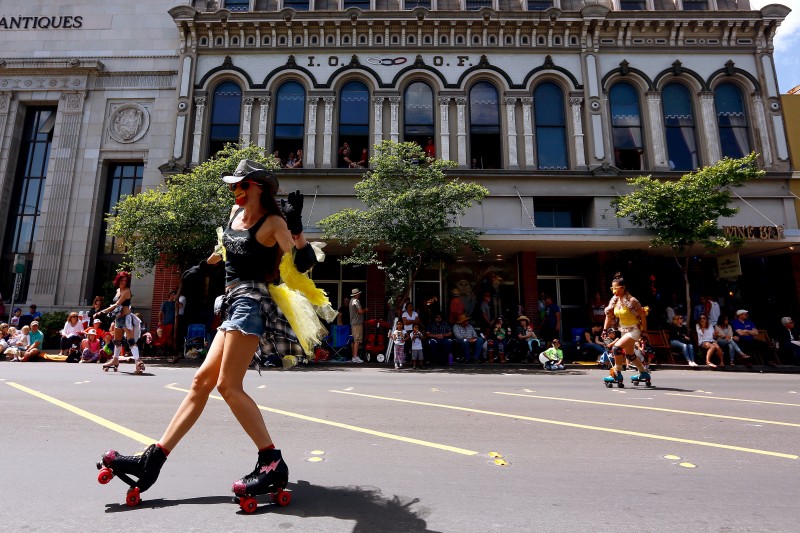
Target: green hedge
x: 51, y: 324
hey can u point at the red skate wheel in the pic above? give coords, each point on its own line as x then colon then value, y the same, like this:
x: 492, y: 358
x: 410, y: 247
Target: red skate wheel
x: 248, y: 504
x: 283, y: 498
x: 133, y: 499
x: 105, y: 476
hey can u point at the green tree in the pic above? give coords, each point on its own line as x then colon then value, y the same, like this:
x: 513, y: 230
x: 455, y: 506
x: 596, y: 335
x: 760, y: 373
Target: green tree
x: 175, y: 222
x: 412, y: 212
x: 685, y: 213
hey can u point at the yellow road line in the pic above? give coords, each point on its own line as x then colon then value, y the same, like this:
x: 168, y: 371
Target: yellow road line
x: 85, y: 414
x: 580, y: 426
x: 392, y: 436
x: 662, y: 409
x: 730, y: 399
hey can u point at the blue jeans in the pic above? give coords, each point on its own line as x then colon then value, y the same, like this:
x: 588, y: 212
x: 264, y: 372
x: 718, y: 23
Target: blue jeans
x: 687, y: 349
x: 440, y: 349
x: 472, y: 350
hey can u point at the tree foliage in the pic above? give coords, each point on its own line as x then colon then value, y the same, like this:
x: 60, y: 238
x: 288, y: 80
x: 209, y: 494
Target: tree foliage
x: 412, y: 211
x: 685, y: 213
x: 175, y: 222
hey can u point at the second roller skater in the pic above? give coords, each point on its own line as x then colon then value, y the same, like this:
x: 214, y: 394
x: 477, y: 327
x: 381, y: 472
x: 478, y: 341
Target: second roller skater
x: 625, y: 310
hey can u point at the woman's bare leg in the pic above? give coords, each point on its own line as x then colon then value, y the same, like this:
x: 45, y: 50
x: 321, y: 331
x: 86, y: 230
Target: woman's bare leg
x: 239, y: 350
x: 195, y: 401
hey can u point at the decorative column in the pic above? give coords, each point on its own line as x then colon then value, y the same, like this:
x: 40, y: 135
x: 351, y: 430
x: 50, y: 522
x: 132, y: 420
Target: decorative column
x: 263, y: 116
x: 394, y: 103
x: 246, y: 119
x: 327, y: 136
x: 461, y: 104
x: 527, y: 131
x: 310, y: 155
x: 51, y: 234
x: 761, y: 120
x: 511, y: 121
x: 710, y: 130
x: 377, y: 113
x: 200, y: 105
x: 657, y: 130
x: 575, y: 104
x: 444, y: 124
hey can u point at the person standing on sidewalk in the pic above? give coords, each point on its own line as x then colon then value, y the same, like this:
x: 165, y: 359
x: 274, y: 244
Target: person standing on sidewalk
x: 356, y: 323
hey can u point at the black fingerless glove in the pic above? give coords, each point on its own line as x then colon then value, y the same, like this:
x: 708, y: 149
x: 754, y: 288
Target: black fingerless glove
x: 293, y: 211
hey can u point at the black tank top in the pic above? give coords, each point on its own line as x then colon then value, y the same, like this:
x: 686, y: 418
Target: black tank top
x: 247, y: 259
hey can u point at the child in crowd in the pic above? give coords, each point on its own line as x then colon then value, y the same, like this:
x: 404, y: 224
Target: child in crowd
x: 108, y: 347
x: 416, y: 347
x: 91, y: 347
x: 498, y: 338
x: 399, y: 338
x: 553, y: 357
x: 644, y: 352
x: 18, y: 342
x: 609, y: 338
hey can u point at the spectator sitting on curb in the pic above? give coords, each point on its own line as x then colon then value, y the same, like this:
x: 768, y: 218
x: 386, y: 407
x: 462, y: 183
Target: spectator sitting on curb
x: 553, y: 357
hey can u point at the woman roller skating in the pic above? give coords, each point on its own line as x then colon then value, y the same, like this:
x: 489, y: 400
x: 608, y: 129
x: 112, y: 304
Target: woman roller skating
x: 123, y: 323
x: 257, y: 232
x: 632, y: 318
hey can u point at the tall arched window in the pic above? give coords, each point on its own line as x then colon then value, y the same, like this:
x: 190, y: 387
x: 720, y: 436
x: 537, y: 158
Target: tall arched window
x: 551, y: 128
x: 418, y: 113
x: 289, y: 119
x: 734, y: 137
x: 353, y: 123
x: 484, y: 126
x: 680, y: 129
x: 626, y: 127
x: 226, y: 111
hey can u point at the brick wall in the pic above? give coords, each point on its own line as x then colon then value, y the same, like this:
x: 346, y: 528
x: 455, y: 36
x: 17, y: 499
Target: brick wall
x: 166, y: 279
x: 529, y: 285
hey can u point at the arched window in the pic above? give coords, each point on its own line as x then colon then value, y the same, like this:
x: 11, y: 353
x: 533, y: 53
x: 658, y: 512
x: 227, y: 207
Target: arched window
x: 353, y: 122
x: 734, y: 137
x: 226, y: 111
x: 680, y: 128
x: 418, y: 113
x: 484, y: 124
x: 551, y: 127
x: 626, y: 127
x: 289, y: 119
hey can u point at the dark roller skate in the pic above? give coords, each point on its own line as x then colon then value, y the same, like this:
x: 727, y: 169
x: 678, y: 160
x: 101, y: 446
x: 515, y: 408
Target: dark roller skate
x: 145, y: 468
x: 641, y: 377
x: 269, y: 477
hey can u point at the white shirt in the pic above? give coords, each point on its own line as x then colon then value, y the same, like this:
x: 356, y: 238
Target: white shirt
x: 182, y: 305
x: 713, y: 315
x: 704, y: 335
x: 411, y: 318
x: 70, y: 330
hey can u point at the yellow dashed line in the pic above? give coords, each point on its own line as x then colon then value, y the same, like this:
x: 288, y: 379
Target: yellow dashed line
x: 86, y: 414
x: 662, y: 409
x: 580, y: 426
x: 409, y: 440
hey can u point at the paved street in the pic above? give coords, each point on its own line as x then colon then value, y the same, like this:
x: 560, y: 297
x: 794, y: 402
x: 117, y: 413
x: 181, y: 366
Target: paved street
x: 371, y: 449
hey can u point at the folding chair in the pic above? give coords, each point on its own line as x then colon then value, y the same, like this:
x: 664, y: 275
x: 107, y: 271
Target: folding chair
x: 338, y: 343
x: 195, y: 340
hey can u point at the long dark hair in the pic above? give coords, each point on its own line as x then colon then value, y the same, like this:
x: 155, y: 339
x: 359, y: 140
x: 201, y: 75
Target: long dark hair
x: 273, y: 208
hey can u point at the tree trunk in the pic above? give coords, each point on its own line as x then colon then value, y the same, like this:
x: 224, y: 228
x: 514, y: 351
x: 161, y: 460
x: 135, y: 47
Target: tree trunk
x: 685, y: 270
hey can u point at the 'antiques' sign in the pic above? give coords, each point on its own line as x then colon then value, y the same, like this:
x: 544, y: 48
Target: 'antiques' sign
x: 763, y: 233
x: 66, y: 22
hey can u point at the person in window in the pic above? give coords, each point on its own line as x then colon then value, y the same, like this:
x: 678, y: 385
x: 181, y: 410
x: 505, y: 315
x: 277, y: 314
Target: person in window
x: 291, y: 162
x: 277, y: 155
x: 298, y: 161
x: 344, y: 156
x: 363, y: 161
x: 430, y: 148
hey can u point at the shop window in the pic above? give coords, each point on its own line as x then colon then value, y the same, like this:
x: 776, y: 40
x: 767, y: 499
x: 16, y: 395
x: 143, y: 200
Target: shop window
x: 24, y: 212
x: 237, y: 5
x: 123, y: 179
x: 484, y: 117
x: 626, y: 127
x: 353, y: 121
x: 551, y: 127
x: 732, y: 121
x: 297, y: 5
x: 680, y: 128
x: 418, y: 113
x: 226, y: 114
x: 289, y: 118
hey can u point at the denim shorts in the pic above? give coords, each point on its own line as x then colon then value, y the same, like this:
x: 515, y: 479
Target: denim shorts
x: 244, y: 314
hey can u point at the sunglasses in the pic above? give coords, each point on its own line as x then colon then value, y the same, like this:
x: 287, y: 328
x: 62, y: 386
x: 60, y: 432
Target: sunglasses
x: 244, y: 185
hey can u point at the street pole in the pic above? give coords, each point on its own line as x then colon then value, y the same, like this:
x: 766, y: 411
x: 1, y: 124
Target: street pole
x: 19, y: 269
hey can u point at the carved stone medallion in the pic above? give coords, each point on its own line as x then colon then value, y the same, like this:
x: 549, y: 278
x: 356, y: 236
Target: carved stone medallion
x: 128, y: 123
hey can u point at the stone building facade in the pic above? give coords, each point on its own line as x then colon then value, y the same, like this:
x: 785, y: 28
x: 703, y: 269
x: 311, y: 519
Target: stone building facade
x: 551, y: 104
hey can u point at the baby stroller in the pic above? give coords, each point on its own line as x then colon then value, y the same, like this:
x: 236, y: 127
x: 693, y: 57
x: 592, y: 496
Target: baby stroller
x: 375, y: 344
x: 195, y: 342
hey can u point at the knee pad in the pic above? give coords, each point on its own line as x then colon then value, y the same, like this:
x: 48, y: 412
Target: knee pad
x: 131, y: 342
x: 118, y: 342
